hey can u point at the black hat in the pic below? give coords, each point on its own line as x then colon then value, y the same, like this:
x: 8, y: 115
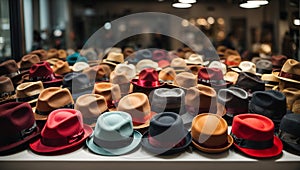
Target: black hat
x: 289, y: 133
x: 166, y: 135
x: 250, y: 82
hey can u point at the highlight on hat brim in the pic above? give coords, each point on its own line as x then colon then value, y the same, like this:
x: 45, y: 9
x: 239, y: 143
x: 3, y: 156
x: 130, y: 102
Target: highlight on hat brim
x: 214, y: 150
x: 109, y: 62
x: 276, y: 74
x: 137, y: 136
x: 38, y: 147
x: 275, y: 150
x: 236, y: 69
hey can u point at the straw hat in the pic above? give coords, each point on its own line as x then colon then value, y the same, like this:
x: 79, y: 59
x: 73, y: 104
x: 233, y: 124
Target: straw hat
x: 29, y: 91
x: 290, y: 71
x: 114, y: 58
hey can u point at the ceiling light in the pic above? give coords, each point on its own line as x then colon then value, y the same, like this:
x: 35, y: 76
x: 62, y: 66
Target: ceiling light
x: 297, y: 21
x: 249, y: 5
x: 187, y: 1
x: 181, y: 5
x: 258, y: 2
x: 210, y: 20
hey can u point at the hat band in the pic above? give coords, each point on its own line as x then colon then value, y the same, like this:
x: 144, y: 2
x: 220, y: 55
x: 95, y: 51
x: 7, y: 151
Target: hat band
x: 274, y: 83
x: 26, y: 99
x: 289, y: 138
x: 147, y: 83
x: 245, y: 143
x: 210, y: 81
x: 43, y: 78
x: 62, y: 141
x: 113, y: 144
x: 18, y: 136
x: 6, y: 94
x: 71, y: 106
x: 263, y: 71
x: 116, y: 62
x: 164, y: 144
x: 289, y: 75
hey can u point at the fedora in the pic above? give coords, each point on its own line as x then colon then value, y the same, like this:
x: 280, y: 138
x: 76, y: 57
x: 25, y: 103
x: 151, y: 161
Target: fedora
x: 143, y: 54
x: 166, y: 135
x: 159, y: 54
x: 28, y: 60
x: 91, y: 106
x: 163, y: 63
x: 194, y: 59
x: 253, y: 135
x: 111, y: 92
x: 114, y: 58
x: 292, y: 99
x: 128, y: 51
x: 194, y: 69
x: 99, y: 73
x: 263, y: 67
x: 7, y: 90
x: 128, y: 69
x: 179, y: 65
x: 290, y: 71
x: 121, y: 79
x: 50, y: 99
x: 146, y: 63
x: 270, y: 81
x: 167, y: 75
x: 52, y: 61
x: 200, y: 99
x: 231, y: 76
x: 52, y: 53
x: 168, y: 100
x: 41, y: 53
x: 114, y: 135
x: 75, y: 57
x: 62, y: 54
x: 245, y: 66
x: 229, y: 52
x: 212, y: 77
x: 209, y: 133
x: 9, y: 68
x: 250, y: 82
x: 185, y: 80
x: 270, y: 103
x: 80, y: 66
x: 29, y: 91
x: 278, y: 61
x: 219, y: 65
x: 138, y: 106
x: 17, y: 125
x: 289, y: 133
x: 61, y: 67
x: 78, y: 84
x: 233, y: 60
x: 63, y: 132
x: 148, y: 79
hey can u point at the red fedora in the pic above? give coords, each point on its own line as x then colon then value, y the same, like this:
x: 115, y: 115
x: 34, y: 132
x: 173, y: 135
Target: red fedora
x: 212, y: 77
x: 17, y: 125
x: 148, y: 78
x: 253, y: 135
x: 63, y: 132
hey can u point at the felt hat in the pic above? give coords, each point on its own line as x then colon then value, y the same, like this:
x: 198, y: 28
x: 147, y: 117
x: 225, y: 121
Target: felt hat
x: 9, y: 68
x: 292, y: 99
x: 231, y: 76
x: 270, y: 80
x: 28, y: 60
x: 233, y: 60
x: 163, y: 63
x: 229, y: 52
x: 146, y: 63
x: 62, y: 54
x: 114, y: 135
x: 253, y: 135
x: 185, y: 80
x: 111, y: 92
x: 159, y: 54
x: 61, y: 67
x: 263, y: 67
x: 209, y: 133
x: 167, y: 75
x: 245, y: 66
x: 179, y: 65
x: 114, y: 58
x: 166, y: 135
x: 52, y: 53
x: 89, y: 53
x: 290, y: 71
x: 138, y: 106
x: 121, y: 79
x: 80, y: 66
x: 7, y: 90
x: 143, y: 54
x: 128, y: 69
x: 194, y: 59
x: 75, y: 57
x: 212, y: 77
x: 99, y: 73
x: 250, y: 82
x: 219, y: 65
x: 128, y: 51
x: 18, y: 125
x: 63, y: 132
x: 41, y: 53
x: 29, y: 91
x: 50, y: 99
x: 278, y: 61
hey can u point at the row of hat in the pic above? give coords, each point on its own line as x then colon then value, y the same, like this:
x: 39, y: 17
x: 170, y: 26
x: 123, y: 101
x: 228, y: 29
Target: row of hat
x: 187, y: 98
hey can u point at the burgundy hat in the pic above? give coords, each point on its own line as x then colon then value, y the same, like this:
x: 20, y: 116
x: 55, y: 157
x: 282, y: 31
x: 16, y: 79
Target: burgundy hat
x: 212, y: 77
x: 158, y: 55
x: 63, y: 132
x: 148, y: 78
x: 253, y: 135
x: 278, y: 61
x: 17, y: 125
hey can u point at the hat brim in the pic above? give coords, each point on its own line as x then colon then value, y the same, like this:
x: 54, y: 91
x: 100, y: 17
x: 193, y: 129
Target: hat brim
x: 165, y: 151
x: 39, y: 116
x: 236, y: 69
x: 21, y: 142
x: 146, y: 124
x: 109, y: 62
x: 214, y: 150
x: 276, y: 74
x: 40, y: 148
x: 193, y: 63
x: 137, y: 136
x: 292, y: 148
x: 275, y: 150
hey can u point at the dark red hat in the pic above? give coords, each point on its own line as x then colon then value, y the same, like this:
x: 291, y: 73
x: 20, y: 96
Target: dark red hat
x: 158, y: 55
x: 278, y: 61
x: 148, y: 78
x: 212, y: 77
x: 63, y: 132
x: 253, y: 135
x: 18, y: 125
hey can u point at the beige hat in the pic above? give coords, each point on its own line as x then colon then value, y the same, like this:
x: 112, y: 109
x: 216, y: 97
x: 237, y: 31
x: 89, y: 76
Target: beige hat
x: 29, y: 91
x: 61, y: 67
x: 167, y: 74
x: 292, y: 99
x: 245, y: 66
x: 185, y: 80
x: 128, y: 69
x: 231, y: 76
x: 111, y: 92
x: 80, y: 66
x: 114, y: 58
x: 194, y: 59
x: 98, y: 73
x: 290, y: 71
x: 179, y: 65
x: 122, y: 80
x: 146, y: 63
x: 270, y: 80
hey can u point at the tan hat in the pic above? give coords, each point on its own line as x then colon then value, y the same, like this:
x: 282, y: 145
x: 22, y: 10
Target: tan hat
x: 29, y: 91
x: 62, y: 54
x: 99, y: 73
x: 51, y: 99
x: 80, y: 66
x: 194, y: 59
x: 209, y: 133
x: 91, y: 106
x: 231, y: 76
x: 41, y: 53
x: 122, y: 80
x: 245, y: 66
x: 114, y: 58
x: 7, y: 90
x: 146, y: 63
x: 128, y: 69
x: 179, y: 65
x: 194, y: 69
x: 138, y: 106
x: 292, y: 99
x: 52, y: 61
x: 28, y: 60
x: 61, y: 67
x: 185, y: 80
x: 290, y: 71
x: 167, y: 74
x: 270, y: 80
x: 52, y: 53
x: 111, y: 92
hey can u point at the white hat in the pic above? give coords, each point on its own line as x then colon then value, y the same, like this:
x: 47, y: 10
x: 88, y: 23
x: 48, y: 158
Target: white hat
x: 194, y: 59
x: 146, y: 63
x: 245, y: 66
x: 128, y: 69
x: 219, y: 65
x: 80, y: 66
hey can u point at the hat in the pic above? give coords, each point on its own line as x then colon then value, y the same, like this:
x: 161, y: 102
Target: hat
x: 7, y: 90
x: 148, y: 78
x: 138, y: 106
x: 78, y: 84
x: 270, y: 80
x: 231, y: 76
x: 128, y: 51
x: 200, y: 99
x: 250, y: 82
x: 219, y: 65
x: 9, y: 68
x: 114, y: 58
x: 75, y: 57
x: 61, y: 67
x: 166, y: 135
x: 29, y: 91
x: 159, y: 54
x: 52, y: 61
x: 121, y: 79
x: 28, y: 60
x: 194, y: 69
x: 163, y: 63
x: 185, y: 80
x: 233, y: 60
x: 167, y: 75
x: 194, y: 59
x: 41, y: 53
x: 80, y: 66
x: 278, y: 61
x: 289, y: 133
x: 111, y: 92
x: 292, y: 99
x: 91, y: 106
x: 52, y: 53
x: 63, y: 132
x: 209, y: 133
x: 179, y: 65
x: 51, y: 99
x: 99, y: 73
x: 221, y: 51
x: 114, y: 135
x: 146, y: 63
x: 263, y: 67
x: 168, y: 100
x: 62, y: 54
x: 245, y: 66
x: 143, y: 54
x: 290, y: 71
x: 127, y: 69
x: 270, y: 103
x: 17, y: 125
x: 229, y: 52
x: 253, y: 135
x: 212, y: 77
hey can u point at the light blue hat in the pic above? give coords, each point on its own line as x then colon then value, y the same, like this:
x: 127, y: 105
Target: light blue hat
x: 114, y: 135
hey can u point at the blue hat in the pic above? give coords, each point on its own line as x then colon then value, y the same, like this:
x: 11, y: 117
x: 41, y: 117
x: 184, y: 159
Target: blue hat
x: 75, y: 57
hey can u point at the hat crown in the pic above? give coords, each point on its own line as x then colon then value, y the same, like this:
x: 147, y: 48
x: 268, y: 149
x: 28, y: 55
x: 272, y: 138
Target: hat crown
x: 249, y: 81
x: 80, y: 66
x: 178, y: 63
x: 62, y: 54
x: 9, y: 66
x: 61, y: 67
x: 233, y: 94
x: 159, y: 55
x: 291, y: 66
x: 148, y: 74
x: 6, y: 85
x: 146, y: 63
x: 41, y: 53
x: 278, y: 60
x: 247, y: 66
x: 185, y: 80
x: 128, y: 69
x: 41, y: 69
x: 264, y: 64
x: 29, y: 89
x: 167, y: 74
x: 210, y: 73
x: 290, y: 123
x: 28, y: 60
x: 114, y: 56
x: 143, y: 54
x: 118, y: 78
x: 91, y: 105
x: 292, y: 94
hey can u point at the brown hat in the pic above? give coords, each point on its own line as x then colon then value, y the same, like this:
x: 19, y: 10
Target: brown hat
x: 167, y: 74
x: 51, y: 99
x: 61, y: 67
x: 41, y: 53
x: 138, y: 106
x: 52, y: 53
x: 209, y: 133
x: 28, y: 60
x: 231, y: 76
x: 9, y: 68
x: 62, y: 54
x: 7, y: 90
x: 29, y: 91
x: 221, y: 51
x: 91, y: 106
x: 111, y: 92
x: 122, y: 80
x: 114, y: 58
x: 194, y: 69
x: 185, y: 80
x: 179, y: 65
x: 99, y: 73
x: 290, y: 71
x: 293, y: 99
